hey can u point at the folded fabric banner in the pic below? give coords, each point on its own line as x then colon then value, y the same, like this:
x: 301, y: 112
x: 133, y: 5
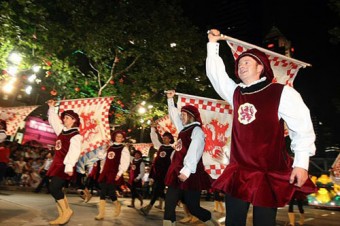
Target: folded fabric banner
x: 285, y: 68
x: 14, y: 116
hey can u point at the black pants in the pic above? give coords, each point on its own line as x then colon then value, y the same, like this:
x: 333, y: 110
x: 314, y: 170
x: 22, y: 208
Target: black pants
x: 3, y: 168
x: 157, y: 191
x: 136, y: 190
x: 190, y: 198
x: 299, y: 203
x: 56, y: 187
x: 237, y: 209
x: 108, y: 190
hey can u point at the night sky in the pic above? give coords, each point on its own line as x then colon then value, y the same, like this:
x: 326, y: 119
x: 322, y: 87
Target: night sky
x: 305, y: 24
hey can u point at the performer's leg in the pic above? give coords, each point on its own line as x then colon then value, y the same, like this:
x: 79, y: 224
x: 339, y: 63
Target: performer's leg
x: 264, y: 216
x: 192, y: 201
x: 171, y: 198
x: 237, y: 209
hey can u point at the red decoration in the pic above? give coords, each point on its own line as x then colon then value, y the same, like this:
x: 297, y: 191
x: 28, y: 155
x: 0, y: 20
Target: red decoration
x: 112, y: 82
x: 43, y: 88
x: 53, y: 92
x: 129, y: 130
x: 48, y: 73
x: 77, y: 89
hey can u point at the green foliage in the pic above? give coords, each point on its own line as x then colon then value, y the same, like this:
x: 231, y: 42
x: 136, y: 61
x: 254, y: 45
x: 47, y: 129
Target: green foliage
x: 115, y: 48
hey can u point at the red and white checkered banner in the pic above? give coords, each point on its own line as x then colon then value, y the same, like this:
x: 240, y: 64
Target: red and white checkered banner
x: 143, y: 147
x: 217, y: 118
x: 14, y: 116
x: 164, y: 124
x: 285, y: 69
x: 93, y: 112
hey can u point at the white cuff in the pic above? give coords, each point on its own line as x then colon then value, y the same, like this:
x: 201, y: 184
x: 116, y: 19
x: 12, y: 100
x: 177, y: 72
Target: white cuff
x: 301, y: 159
x: 213, y: 49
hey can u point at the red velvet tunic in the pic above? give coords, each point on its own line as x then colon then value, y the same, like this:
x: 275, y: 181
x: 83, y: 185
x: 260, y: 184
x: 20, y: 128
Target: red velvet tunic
x: 135, y: 171
x: 260, y: 166
x: 61, y: 149
x: 111, y: 166
x: 161, y: 163
x: 200, y: 180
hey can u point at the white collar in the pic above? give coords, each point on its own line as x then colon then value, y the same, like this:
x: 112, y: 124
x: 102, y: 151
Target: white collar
x: 192, y: 124
x: 242, y: 85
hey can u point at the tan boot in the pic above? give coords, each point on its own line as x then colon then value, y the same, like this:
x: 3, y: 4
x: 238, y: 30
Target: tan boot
x: 193, y: 219
x: 302, y: 219
x: 60, y: 212
x: 291, y: 217
x: 117, y: 208
x: 66, y: 210
x: 188, y: 216
x: 87, y: 195
x: 101, y: 210
x: 168, y: 223
x: 220, y: 204
x: 145, y: 210
x: 212, y: 222
x: 215, y: 206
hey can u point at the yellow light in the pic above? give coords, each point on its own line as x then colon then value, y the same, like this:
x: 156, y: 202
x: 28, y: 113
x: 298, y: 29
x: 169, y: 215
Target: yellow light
x: 15, y: 58
x: 8, y: 88
x: 141, y: 110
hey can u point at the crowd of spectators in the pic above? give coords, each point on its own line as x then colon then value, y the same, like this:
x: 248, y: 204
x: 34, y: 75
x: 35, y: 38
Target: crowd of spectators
x: 24, y: 166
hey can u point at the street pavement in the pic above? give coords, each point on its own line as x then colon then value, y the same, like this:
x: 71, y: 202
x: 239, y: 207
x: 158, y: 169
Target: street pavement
x: 25, y: 208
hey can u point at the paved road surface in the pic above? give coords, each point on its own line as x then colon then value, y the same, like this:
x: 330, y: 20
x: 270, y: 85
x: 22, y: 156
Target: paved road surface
x: 24, y: 208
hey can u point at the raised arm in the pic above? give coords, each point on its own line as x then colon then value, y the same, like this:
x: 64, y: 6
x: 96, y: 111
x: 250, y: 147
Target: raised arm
x: 154, y: 138
x: 215, y: 68
x: 53, y: 118
x: 173, y: 111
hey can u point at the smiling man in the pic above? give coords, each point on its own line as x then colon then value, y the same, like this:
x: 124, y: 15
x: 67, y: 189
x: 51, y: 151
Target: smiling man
x: 260, y: 172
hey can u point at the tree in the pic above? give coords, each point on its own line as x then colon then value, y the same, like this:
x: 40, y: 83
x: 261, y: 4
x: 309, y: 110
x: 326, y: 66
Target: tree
x: 133, y: 50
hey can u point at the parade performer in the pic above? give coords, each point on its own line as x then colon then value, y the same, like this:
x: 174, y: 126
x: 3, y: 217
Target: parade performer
x: 116, y: 162
x: 4, y: 150
x: 45, y: 180
x: 137, y: 169
x: 260, y: 172
x: 67, y: 152
x: 3, y: 128
x: 186, y: 177
x: 159, y: 166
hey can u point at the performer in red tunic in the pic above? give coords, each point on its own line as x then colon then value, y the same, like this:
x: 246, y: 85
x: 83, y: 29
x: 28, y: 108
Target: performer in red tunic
x: 186, y: 177
x: 137, y: 170
x: 260, y: 172
x: 116, y: 162
x: 67, y: 152
x: 4, y: 150
x: 159, y: 167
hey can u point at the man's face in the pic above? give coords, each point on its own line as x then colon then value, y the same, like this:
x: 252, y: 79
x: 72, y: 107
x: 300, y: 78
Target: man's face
x: 249, y: 70
x: 184, y: 118
x: 166, y: 140
x: 68, y: 121
x: 119, y: 138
